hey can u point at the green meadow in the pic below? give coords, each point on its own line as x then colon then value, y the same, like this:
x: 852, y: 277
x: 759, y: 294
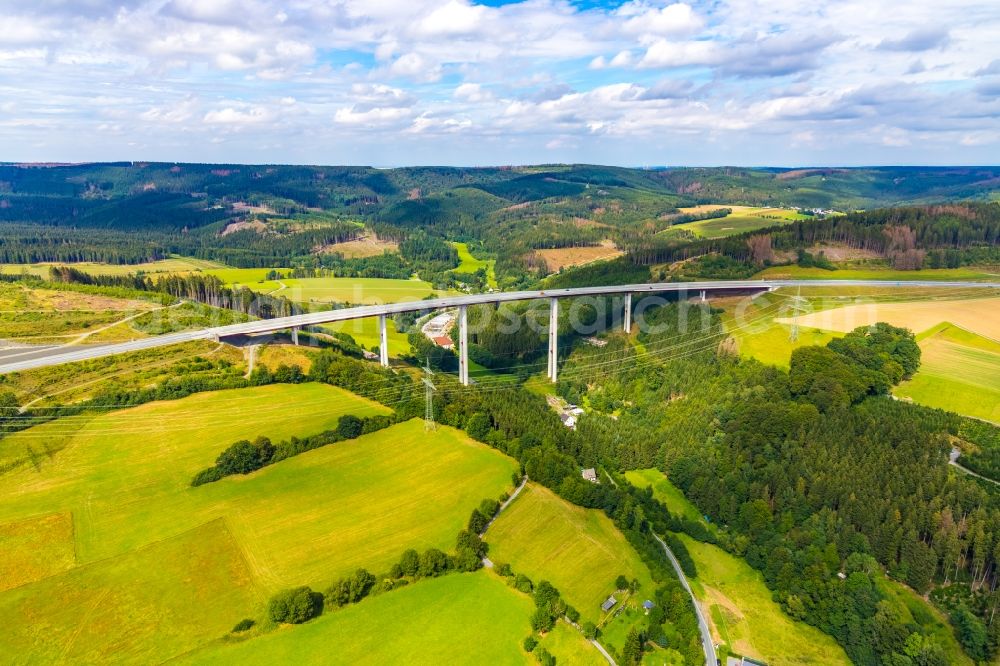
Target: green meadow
x: 569, y: 646
x: 124, y: 478
x: 365, y: 333
x: 664, y: 491
x: 580, y: 551
x: 458, y: 619
x: 470, y: 264
x: 162, y: 599
x: 752, y: 325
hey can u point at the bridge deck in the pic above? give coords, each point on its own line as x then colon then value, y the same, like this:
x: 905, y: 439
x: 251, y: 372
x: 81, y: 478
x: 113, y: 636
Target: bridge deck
x: 328, y: 316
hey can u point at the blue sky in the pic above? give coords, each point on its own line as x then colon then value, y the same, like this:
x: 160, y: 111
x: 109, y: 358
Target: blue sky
x: 393, y: 82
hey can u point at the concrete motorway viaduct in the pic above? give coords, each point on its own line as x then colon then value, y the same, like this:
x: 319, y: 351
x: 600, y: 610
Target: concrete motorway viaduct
x: 60, y: 355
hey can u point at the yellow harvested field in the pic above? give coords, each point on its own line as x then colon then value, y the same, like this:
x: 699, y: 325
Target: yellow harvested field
x: 979, y: 315
x: 563, y: 257
x: 366, y: 246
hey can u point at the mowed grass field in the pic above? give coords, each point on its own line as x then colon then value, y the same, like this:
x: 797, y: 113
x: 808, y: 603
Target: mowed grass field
x: 754, y: 324
x: 580, y: 551
x: 176, y: 264
x: 569, y: 646
x: 35, y: 548
x: 736, y: 600
x: 458, y: 619
x: 310, y: 519
x: 959, y: 371
x: 163, y: 599
x: 365, y: 333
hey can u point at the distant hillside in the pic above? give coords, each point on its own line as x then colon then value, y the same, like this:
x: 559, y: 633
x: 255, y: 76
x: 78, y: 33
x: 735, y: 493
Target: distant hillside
x: 274, y: 215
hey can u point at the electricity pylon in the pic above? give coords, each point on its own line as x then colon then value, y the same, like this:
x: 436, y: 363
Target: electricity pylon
x: 428, y: 397
x: 794, y: 336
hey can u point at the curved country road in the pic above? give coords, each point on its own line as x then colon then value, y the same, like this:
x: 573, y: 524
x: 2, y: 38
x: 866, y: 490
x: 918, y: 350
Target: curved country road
x: 706, y: 635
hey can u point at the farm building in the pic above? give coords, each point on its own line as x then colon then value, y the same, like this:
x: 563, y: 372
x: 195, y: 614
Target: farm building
x: 443, y: 341
x: 609, y: 603
x: 590, y: 475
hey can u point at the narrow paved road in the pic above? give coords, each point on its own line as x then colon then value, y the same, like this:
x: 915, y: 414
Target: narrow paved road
x: 600, y: 648
x: 953, y: 460
x: 706, y: 635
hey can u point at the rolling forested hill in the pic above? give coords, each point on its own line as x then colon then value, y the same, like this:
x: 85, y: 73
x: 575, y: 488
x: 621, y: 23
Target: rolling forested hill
x: 523, y: 217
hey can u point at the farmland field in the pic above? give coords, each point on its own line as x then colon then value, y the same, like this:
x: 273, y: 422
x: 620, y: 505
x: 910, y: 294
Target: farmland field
x: 148, y: 455
x: 305, y: 520
x: 979, y: 315
x: 172, y: 265
x: 877, y: 272
x: 196, y: 583
x: 741, y: 220
x: 35, y: 548
x: 580, y: 551
x: 124, y: 478
x: 959, y: 371
x: 457, y: 619
x: 565, y: 257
